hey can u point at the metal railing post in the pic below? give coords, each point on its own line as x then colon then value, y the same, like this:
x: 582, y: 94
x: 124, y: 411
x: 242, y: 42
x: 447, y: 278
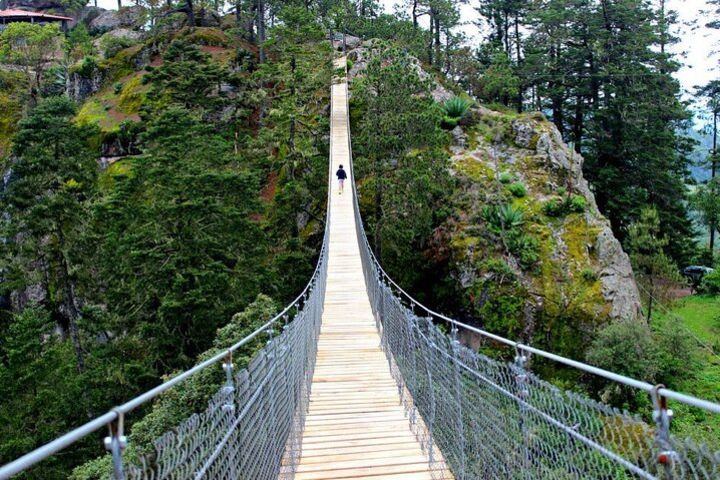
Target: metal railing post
x: 431, y: 413
x: 229, y: 405
x: 455, y: 345
x: 115, y: 443
x: 667, y: 456
x: 523, y: 394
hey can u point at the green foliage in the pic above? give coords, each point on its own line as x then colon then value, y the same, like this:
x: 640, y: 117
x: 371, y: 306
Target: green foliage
x: 654, y: 270
x: 12, y: 98
x: 558, y: 207
x: 706, y: 201
x: 85, y: 67
x: 456, y: 107
x: 79, y: 43
x: 31, y: 47
x: 111, y: 45
x: 589, y: 275
x: 187, y: 77
x: 577, y: 204
x: 517, y: 189
x: 397, y: 143
x: 711, y: 282
x: 505, y: 178
x: 663, y: 354
x: 555, y: 207
x: 44, y: 209
x: 132, y: 271
x: 498, y: 82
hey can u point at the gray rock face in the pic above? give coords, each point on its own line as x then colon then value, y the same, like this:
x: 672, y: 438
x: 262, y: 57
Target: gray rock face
x: 559, y: 166
x: 618, y: 282
x: 113, y: 19
x: 524, y: 133
x: 459, y: 139
x: 79, y: 88
x: 350, y: 41
x: 616, y: 276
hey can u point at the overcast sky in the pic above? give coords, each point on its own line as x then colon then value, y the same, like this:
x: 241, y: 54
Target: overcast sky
x: 698, y: 45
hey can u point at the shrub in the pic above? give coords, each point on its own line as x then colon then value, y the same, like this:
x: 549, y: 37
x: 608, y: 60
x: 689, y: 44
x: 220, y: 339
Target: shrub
x: 525, y: 248
x: 557, y: 207
x: 505, y: 178
x: 711, y: 282
x: 349, y: 64
x: 456, y: 107
x: 86, y: 67
x: 577, y: 204
x: 517, y: 189
x: 589, y: 275
x: 554, y: 207
x: 501, y: 218
x: 511, y: 217
x: 112, y: 45
x: 561, y: 191
x: 449, y: 122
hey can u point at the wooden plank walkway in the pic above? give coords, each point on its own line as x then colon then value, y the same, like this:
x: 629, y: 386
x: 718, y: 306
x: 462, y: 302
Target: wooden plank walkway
x: 356, y: 426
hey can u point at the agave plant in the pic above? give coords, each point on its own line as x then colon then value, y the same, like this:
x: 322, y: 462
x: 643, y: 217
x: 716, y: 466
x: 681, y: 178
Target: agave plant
x: 504, y: 217
x: 456, y: 107
x: 511, y: 217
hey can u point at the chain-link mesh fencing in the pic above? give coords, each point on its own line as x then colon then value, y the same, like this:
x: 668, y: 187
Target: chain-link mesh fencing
x: 252, y: 428
x: 488, y: 419
x: 496, y: 420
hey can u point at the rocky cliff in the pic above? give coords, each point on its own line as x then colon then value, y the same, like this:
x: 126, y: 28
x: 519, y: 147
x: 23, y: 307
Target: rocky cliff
x: 528, y: 252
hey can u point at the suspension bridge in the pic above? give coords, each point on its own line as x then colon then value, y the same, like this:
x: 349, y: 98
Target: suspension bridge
x: 362, y: 382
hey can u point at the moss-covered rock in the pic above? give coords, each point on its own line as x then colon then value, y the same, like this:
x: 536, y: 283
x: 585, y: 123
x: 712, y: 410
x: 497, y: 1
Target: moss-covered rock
x: 564, y: 273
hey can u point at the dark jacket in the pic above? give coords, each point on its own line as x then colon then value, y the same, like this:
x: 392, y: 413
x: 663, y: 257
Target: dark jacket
x: 341, y: 174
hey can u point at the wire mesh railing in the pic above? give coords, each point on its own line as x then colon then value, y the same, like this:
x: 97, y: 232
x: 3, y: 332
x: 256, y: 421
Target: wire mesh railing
x: 497, y: 420
x: 479, y: 417
x: 252, y: 427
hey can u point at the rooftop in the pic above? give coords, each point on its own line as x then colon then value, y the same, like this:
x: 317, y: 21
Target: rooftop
x: 15, y: 13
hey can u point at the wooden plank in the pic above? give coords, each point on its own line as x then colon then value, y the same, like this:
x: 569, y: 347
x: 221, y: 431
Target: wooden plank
x: 356, y: 426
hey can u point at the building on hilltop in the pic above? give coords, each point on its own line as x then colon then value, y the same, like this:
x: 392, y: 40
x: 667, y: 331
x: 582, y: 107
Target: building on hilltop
x: 10, y: 15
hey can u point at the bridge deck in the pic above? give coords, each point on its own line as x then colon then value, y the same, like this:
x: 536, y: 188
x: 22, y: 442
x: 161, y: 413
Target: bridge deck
x: 356, y: 426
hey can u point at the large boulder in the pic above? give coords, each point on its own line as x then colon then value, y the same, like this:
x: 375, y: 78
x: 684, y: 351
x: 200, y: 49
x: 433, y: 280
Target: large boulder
x: 112, y: 19
x: 581, y: 264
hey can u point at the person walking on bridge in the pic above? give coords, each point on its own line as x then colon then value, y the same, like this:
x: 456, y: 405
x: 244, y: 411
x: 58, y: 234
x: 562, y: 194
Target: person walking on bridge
x: 342, y: 175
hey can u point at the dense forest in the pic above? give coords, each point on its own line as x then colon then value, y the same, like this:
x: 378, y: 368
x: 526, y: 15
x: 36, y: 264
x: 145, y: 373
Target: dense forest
x: 164, y: 184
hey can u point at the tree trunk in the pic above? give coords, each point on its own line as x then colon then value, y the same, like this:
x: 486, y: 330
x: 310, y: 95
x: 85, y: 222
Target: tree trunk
x: 190, y: 13
x: 261, y: 29
x: 430, y: 44
x: 578, y: 123
x: 518, y: 61
x: 713, y: 172
x: 119, y: 4
x: 72, y: 314
x: 414, y: 14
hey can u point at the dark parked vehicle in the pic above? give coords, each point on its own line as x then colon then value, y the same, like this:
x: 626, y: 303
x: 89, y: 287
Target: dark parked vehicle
x: 695, y: 274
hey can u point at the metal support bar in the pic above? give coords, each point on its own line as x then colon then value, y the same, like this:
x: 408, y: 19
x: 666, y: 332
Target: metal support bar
x: 115, y: 443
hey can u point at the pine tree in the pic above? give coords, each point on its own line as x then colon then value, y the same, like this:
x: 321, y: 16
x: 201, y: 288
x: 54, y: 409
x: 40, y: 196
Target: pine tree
x: 399, y: 115
x: 655, y: 271
x: 46, y: 207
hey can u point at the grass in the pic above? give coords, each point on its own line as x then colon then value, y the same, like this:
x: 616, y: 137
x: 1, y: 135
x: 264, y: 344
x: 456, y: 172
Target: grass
x: 699, y: 314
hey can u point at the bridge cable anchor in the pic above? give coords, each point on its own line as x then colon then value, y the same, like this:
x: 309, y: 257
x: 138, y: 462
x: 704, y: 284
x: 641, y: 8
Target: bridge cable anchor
x: 115, y: 443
